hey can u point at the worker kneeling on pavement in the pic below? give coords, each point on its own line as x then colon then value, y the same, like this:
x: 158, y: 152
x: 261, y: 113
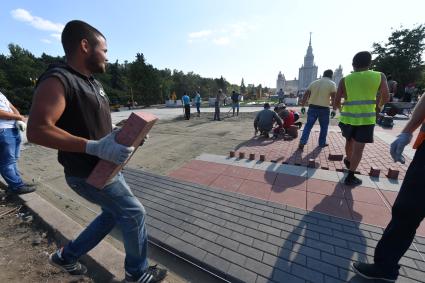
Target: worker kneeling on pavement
x: 289, y: 118
x: 265, y: 119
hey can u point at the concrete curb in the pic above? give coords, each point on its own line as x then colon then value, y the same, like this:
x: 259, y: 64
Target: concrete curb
x: 105, y: 262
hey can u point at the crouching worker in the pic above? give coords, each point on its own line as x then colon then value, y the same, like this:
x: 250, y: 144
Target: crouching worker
x: 265, y: 119
x: 289, y: 118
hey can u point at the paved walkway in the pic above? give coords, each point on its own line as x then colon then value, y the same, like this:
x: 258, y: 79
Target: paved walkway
x: 250, y: 239
x: 375, y: 155
x: 297, y: 186
x: 315, y: 202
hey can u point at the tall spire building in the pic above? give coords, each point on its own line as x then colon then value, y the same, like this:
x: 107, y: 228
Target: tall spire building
x: 308, y: 71
x: 280, y: 82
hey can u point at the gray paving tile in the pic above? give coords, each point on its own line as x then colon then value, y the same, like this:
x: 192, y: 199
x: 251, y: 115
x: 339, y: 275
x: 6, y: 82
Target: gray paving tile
x: 242, y: 274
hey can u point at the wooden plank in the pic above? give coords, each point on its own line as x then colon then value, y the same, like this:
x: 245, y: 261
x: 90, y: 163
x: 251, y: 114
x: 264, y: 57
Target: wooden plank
x: 132, y: 133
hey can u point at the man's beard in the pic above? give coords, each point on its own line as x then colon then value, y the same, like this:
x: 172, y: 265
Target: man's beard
x: 94, y: 65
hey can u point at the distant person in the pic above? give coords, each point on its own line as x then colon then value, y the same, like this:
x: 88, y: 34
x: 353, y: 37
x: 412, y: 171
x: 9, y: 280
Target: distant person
x: 11, y: 122
x: 217, y: 105
x: 280, y: 95
x: 358, y: 113
x: 408, y: 210
x: 186, y: 105
x: 409, y: 92
x: 265, y: 119
x: 392, y: 87
x: 174, y: 97
x: 197, y: 99
x: 70, y: 113
x: 318, y: 94
x: 235, y: 102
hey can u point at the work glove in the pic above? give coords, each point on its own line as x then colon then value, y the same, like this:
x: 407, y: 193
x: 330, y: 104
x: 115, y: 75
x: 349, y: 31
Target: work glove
x: 333, y: 113
x: 303, y: 110
x: 398, y: 146
x: 108, y: 149
x: 21, y: 125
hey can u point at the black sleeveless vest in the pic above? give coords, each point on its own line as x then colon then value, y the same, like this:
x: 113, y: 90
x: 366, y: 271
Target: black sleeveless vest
x: 86, y: 115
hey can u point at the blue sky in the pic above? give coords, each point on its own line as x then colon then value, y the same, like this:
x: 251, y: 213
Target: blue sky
x: 234, y: 39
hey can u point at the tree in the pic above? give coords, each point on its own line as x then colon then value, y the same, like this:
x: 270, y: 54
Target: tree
x: 401, y: 56
x: 144, y: 81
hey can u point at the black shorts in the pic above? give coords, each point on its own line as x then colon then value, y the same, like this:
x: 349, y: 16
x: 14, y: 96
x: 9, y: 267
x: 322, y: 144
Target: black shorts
x: 363, y: 134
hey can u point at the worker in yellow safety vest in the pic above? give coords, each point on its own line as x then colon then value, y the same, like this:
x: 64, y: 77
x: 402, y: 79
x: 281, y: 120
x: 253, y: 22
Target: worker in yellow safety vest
x: 408, y: 210
x: 358, y: 113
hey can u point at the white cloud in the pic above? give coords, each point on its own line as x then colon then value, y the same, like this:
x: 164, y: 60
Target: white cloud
x: 222, y: 35
x: 200, y: 34
x: 56, y: 36
x: 45, y: 40
x: 37, y: 22
x: 221, y: 40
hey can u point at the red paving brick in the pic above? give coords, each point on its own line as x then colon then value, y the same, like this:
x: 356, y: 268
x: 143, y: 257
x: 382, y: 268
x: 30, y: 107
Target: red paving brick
x: 288, y: 196
x: 369, y: 213
x: 389, y: 196
x: 363, y: 194
x: 227, y: 183
x: 236, y: 171
x: 255, y: 189
x: 332, y: 205
x: 262, y: 176
x: 325, y: 188
x: 290, y: 181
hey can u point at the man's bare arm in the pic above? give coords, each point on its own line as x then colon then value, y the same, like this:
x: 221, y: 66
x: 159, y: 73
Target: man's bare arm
x: 305, y: 97
x: 384, y: 95
x: 10, y: 116
x: 417, y: 118
x: 47, y: 107
x: 340, y: 93
x: 332, y: 94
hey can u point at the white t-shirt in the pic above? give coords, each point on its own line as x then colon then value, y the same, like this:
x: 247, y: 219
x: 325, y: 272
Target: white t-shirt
x: 5, y: 106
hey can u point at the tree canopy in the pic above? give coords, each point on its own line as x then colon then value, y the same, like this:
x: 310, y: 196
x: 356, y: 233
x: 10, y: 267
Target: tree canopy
x: 137, y: 80
x: 401, y: 56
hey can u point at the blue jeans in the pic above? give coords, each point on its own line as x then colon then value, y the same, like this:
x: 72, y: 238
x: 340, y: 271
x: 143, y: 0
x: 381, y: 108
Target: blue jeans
x: 198, y: 106
x: 10, y: 140
x: 312, y: 115
x: 119, y: 206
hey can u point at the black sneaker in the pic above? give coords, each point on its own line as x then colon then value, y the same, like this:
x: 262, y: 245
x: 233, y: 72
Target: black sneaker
x: 347, y: 163
x: 301, y: 147
x: 372, y: 272
x: 324, y: 145
x: 154, y: 274
x: 25, y: 189
x: 352, y: 181
x: 73, y: 268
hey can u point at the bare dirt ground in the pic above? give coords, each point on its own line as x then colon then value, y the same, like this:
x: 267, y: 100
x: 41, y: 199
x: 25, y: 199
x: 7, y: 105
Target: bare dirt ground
x: 25, y: 247
x: 171, y: 144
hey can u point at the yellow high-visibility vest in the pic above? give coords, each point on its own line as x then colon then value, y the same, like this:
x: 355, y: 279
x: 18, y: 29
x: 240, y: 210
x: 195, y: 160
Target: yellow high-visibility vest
x: 359, y: 106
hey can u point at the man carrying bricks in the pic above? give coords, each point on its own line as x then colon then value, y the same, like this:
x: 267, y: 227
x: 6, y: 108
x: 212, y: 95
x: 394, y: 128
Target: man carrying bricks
x: 70, y: 112
x: 358, y: 113
x: 408, y: 210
